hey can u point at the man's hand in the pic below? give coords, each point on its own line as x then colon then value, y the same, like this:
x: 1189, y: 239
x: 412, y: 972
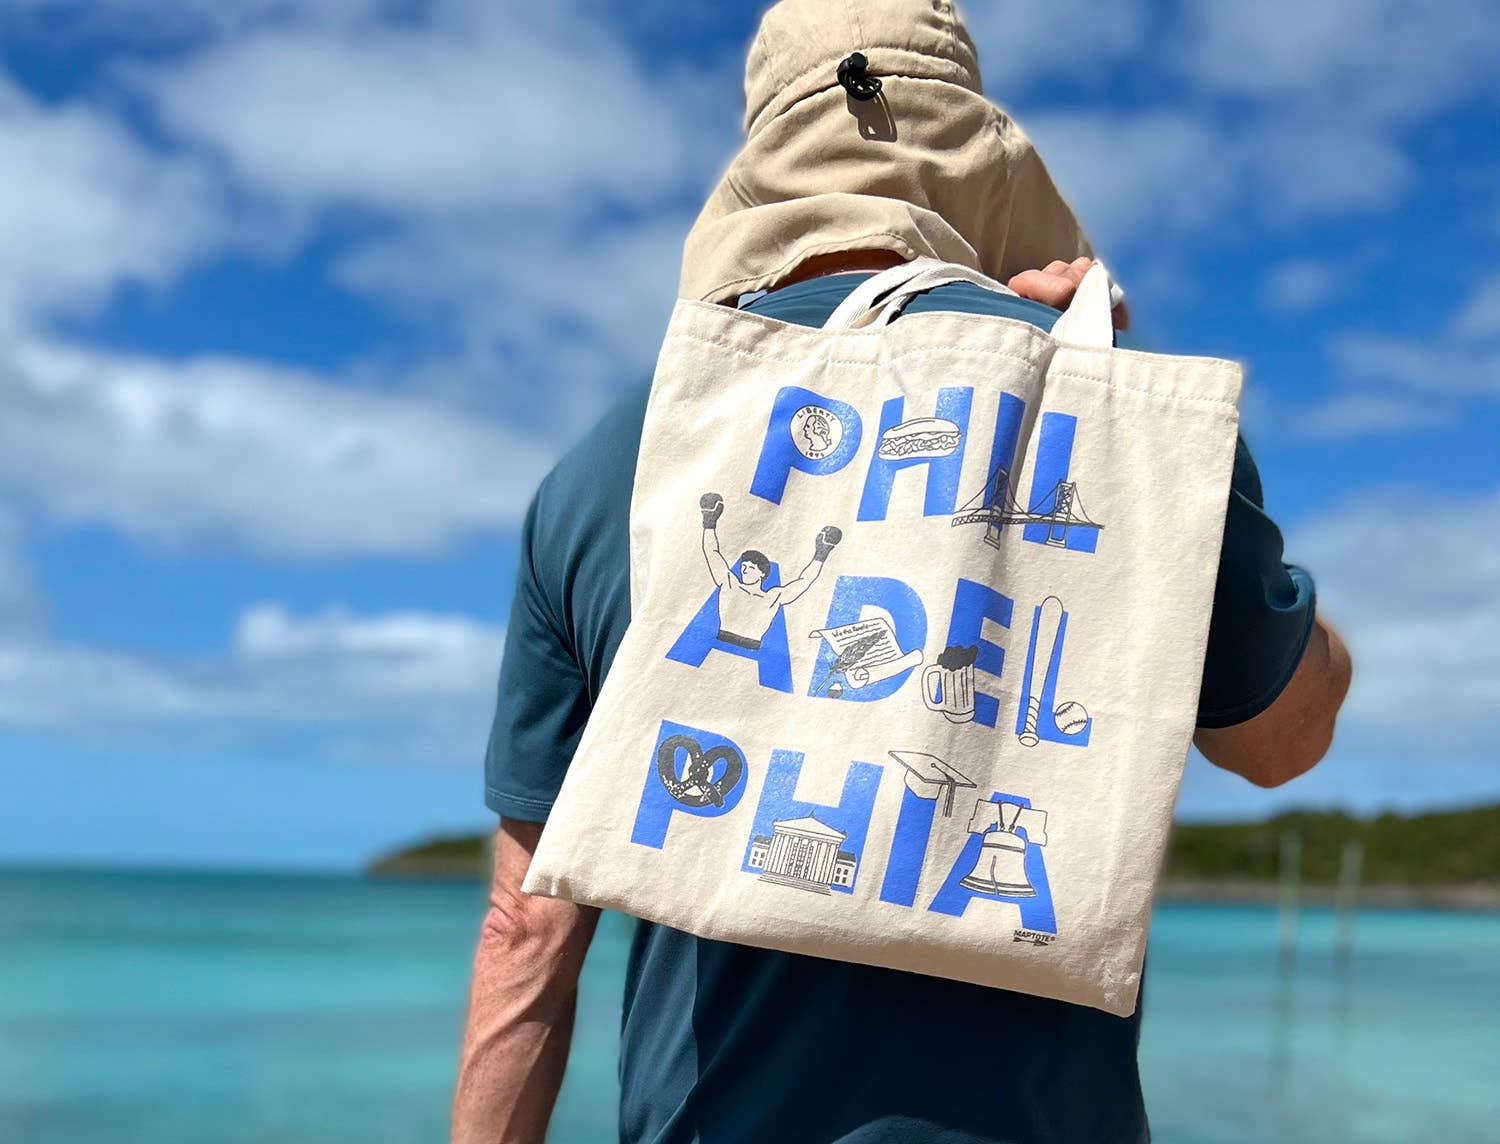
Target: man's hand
x: 521, y: 1002
x: 825, y: 541
x: 712, y: 505
x: 1055, y: 284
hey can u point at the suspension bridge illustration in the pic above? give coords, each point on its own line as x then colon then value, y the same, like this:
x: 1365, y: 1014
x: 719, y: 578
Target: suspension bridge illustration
x: 995, y: 507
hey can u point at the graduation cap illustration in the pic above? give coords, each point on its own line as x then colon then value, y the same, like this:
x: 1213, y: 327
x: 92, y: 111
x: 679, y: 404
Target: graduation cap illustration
x: 927, y: 776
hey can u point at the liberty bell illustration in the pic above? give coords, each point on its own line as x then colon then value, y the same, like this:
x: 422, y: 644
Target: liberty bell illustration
x: 1001, y: 866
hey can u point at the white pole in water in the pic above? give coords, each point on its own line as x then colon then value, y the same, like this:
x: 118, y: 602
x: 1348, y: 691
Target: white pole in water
x: 1351, y: 868
x: 1290, y: 870
x: 1291, y: 893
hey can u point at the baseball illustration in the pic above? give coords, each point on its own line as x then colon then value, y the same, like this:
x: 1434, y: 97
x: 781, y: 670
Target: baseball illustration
x: 1070, y: 717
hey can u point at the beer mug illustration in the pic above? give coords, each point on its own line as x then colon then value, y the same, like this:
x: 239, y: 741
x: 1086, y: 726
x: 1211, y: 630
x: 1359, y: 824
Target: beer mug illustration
x: 948, y: 684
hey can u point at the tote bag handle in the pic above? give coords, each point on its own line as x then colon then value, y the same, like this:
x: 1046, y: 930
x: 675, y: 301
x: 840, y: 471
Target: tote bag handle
x: 1089, y: 321
x: 876, y: 301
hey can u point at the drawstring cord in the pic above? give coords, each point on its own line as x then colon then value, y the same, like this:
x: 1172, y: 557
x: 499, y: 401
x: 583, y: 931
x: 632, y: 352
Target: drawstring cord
x: 856, y: 80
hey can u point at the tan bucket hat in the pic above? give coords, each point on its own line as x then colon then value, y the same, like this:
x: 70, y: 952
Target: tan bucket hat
x: 927, y: 167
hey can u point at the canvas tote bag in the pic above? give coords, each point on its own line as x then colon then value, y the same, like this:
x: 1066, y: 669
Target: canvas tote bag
x: 919, y: 611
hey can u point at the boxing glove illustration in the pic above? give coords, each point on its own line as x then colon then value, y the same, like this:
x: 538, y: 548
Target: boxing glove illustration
x: 825, y: 541
x: 712, y: 505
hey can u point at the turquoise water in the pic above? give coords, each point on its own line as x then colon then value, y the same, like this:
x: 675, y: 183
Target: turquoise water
x: 177, y: 1009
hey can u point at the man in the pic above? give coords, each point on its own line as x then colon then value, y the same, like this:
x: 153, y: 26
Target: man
x: 746, y: 606
x: 727, y: 1043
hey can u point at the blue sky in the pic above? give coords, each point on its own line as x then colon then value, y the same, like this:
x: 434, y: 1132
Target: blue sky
x: 299, y: 298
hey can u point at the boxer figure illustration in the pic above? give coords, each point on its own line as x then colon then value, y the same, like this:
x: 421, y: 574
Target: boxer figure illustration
x: 746, y: 608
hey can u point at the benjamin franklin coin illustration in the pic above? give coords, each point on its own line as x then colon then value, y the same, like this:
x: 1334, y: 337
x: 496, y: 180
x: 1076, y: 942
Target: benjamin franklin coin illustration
x: 816, y: 431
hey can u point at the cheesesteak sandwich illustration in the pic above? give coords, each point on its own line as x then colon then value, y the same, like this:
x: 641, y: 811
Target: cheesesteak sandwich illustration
x: 920, y: 437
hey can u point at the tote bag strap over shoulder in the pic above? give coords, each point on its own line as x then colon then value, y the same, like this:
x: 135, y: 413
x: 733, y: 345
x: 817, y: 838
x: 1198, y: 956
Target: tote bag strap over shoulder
x: 876, y: 301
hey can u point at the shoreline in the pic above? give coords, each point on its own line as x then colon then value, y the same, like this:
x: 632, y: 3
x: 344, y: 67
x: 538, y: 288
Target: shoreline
x: 1453, y: 897
x: 1175, y: 891
x: 1198, y: 892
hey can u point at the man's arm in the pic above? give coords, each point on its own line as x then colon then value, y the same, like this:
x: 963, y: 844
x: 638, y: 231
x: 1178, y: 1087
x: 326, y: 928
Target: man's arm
x: 712, y: 507
x: 823, y: 544
x: 1290, y: 735
x: 521, y: 1002
x: 1293, y: 733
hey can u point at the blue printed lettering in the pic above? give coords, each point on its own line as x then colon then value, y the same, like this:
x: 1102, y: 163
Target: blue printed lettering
x: 942, y: 470
x: 903, y: 869
x: 973, y: 603
x: 691, y: 771
x: 1039, y: 718
x: 807, y: 432
x: 805, y: 843
x: 1052, y: 494
x: 852, y: 595
x: 1030, y: 891
x: 773, y: 658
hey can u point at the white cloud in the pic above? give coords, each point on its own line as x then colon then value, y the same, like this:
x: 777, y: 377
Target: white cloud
x: 1347, y: 415
x: 21, y: 608
x: 508, y: 110
x: 398, y: 657
x: 1431, y: 366
x: 1258, y: 119
x: 87, y: 207
x: 240, y: 455
x: 1382, y: 61
x: 397, y: 685
x: 1412, y: 580
x: 1479, y: 319
x: 1462, y: 360
x: 575, y: 315
x: 1299, y: 284
x: 1317, y: 164
x: 1391, y: 384
x: 1323, y: 96
x: 1146, y: 179
x: 531, y: 176
x: 1138, y: 178
x: 1021, y: 45
x: 134, y: 20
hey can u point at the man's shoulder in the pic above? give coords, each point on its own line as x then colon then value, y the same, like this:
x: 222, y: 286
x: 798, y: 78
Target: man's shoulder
x: 579, y: 523
x: 607, y: 451
x: 593, y: 479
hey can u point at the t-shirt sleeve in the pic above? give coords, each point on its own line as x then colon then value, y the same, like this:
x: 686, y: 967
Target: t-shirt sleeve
x: 542, y: 702
x: 1263, y: 609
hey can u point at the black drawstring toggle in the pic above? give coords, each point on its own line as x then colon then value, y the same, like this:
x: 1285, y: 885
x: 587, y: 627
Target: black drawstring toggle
x: 856, y: 80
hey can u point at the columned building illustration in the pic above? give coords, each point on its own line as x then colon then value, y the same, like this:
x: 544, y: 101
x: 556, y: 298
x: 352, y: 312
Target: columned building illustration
x: 804, y: 853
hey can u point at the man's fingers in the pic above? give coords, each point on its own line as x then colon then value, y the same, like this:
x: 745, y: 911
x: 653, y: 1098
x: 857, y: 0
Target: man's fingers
x: 1053, y: 290
x: 1054, y: 284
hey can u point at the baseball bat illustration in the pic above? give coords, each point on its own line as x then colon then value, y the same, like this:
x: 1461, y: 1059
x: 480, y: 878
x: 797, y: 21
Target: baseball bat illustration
x: 1047, y: 627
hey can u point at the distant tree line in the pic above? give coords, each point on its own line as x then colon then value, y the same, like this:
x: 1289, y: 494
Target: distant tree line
x: 1449, y: 848
x: 1460, y: 847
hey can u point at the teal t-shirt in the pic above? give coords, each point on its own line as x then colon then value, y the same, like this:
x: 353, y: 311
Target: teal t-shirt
x: 724, y: 1043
